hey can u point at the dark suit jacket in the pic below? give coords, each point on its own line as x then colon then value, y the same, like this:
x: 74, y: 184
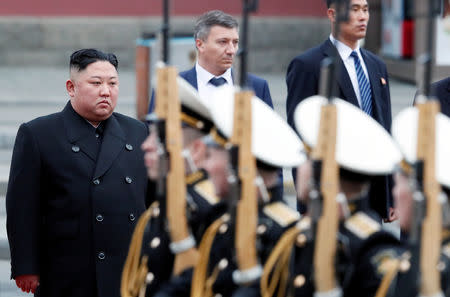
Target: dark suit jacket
x: 259, y: 86
x: 71, y: 212
x: 303, y: 81
x: 441, y: 90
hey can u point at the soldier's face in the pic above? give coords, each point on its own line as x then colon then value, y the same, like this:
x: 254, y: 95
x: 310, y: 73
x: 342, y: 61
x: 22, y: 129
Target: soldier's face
x: 151, y: 156
x: 216, y: 53
x: 93, y: 91
x: 403, y: 200
x: 304, y: 173
x: 216, y: 164
x: 356, y: 26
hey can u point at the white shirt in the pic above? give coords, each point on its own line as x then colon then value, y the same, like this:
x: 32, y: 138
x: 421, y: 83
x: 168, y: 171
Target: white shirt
x: 345, y: 52
x: 205, y: 89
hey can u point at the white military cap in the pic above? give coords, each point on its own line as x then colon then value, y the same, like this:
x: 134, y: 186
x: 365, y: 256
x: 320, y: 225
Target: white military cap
x: 274, y: 142
x: 194, y: 111
x: 404, y: 131
x: 362, y: 145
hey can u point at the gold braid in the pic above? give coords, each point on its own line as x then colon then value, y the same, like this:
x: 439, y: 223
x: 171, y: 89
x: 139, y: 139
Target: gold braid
x: 201, y: 286
x: 278, y: 262
x: 134, y: 273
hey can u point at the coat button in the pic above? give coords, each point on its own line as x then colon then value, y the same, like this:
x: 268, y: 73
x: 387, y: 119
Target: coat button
x: 129, y: 147
x: 99, y: 218
x: 101, y: 255
x: 128, y: 180
x: 75, y: 148
x: 96, y: 181
x: 132, y: 217
x: 155, y: 242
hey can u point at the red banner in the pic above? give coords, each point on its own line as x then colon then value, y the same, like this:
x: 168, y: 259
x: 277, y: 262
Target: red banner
x: 154, y: 7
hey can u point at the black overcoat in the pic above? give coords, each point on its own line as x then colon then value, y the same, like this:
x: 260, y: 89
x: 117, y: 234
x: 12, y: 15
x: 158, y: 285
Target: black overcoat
x: 72, y: 204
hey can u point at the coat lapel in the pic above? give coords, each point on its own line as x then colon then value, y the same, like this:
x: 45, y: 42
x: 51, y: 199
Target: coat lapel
x: 112, y: 144
x: 191, y: 77
x: 344, y: 82
x: 79, y: 132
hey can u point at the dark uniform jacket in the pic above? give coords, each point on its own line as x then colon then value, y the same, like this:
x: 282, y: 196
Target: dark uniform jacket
x: 203, y: 207
x: 408, y: 281
x: 302, y: 81
x: 72, y: 202
x: 363, y: 248
x: 274, y: 218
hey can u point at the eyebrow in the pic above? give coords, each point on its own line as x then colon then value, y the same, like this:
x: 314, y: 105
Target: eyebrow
x: 100, y: 77
x: 358, y: 6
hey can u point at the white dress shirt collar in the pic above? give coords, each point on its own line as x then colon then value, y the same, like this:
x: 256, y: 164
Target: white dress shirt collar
x: 349, y: 63
x: 344, y: 50
x: 203, y: 76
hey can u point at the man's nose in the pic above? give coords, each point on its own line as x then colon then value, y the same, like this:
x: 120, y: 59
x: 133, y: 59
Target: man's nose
x: 231, y: 48
x: 104, y: 90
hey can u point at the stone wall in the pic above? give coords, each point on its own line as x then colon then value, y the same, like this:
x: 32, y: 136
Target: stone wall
x: 39, y: 41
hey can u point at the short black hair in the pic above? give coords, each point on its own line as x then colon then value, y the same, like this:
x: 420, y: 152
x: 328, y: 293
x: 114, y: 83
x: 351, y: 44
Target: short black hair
x: 80, y: 59
x: 330, y: 2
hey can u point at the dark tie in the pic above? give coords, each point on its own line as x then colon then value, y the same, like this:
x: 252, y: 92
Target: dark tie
x: 364, y: 86
x: 217, y: 81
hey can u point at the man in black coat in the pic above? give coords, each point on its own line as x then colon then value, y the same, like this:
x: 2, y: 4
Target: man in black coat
x: 77, y: 185
x: 441, y: 90
x: 303, y: 81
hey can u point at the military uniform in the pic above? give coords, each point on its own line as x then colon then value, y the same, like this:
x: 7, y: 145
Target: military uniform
x: 406, y: 129
x: 408, y: 279
x: 204, y: 207
x: 363, y: 249
x: 273, y: 219
x: 364, y: 252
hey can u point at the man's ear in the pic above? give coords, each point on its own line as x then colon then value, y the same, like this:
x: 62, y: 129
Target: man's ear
x: 70, y: 87
x: 199, y: 44
x: 331, y: 14
x: 198, y: 151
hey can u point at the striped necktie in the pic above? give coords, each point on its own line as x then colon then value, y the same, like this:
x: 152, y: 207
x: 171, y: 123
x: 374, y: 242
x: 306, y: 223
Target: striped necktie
x: 364, y: 86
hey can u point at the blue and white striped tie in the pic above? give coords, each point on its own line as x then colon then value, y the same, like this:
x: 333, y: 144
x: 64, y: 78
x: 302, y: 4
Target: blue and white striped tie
x: 364, y: 86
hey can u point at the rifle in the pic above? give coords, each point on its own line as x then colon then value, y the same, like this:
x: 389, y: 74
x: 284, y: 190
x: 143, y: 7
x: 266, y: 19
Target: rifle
x: 171, y: 189
x: 427, y: 222
x: 168, y: 109
x: 246, y: 219
x: 324, y: 206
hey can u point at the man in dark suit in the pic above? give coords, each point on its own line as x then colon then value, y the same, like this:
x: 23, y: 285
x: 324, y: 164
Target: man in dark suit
x: 362, y: 81
x: 441, y: 90
x: 77, y: 185
x: 217, y: 40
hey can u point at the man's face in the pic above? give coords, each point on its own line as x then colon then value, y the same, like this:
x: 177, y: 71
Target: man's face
x: 304, y: 173
x: 216, y: 53
x: 356, y: 26
x: 403, y: 200
x: 216, y: 164
x: 151, y: 156
x: 93, y: 91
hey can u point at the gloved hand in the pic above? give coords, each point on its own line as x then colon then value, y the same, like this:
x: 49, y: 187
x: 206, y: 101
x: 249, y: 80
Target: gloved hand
x: 28, y: 282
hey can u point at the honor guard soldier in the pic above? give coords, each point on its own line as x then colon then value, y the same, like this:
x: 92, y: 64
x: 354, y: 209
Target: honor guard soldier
x: 153, y: 241
x: 274, y: 145
x: 410, y: 203
x: 363, y: 252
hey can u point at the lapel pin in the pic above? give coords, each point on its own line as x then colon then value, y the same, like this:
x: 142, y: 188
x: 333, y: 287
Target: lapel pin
x: 383, y: 81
